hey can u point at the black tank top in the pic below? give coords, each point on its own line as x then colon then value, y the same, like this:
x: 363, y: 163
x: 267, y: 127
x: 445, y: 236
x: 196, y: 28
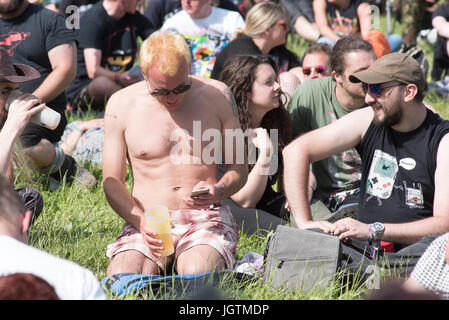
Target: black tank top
x: 398, y: 171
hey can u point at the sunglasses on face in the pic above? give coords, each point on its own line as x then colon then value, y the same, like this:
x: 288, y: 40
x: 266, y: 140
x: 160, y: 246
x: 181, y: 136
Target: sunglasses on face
x: 6, y: 91
x: 178, y: 90
x: 283, y: 24
x: 308, y: 70
x: 376, y: 89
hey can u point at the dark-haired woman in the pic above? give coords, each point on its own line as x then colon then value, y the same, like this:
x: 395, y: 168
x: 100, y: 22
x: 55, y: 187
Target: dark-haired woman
x: 254, y: 82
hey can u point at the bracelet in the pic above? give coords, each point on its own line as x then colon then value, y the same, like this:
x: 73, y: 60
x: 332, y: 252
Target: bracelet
x: 221, y: 187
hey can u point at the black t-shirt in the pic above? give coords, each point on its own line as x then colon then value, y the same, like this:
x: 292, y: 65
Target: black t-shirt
x: 440, y: 52
x: 238, y: 46
x: 117, y: 40
x: 82, y: 6
x: 28, y: 38
x: 398, y: 171
x: 284, y: 58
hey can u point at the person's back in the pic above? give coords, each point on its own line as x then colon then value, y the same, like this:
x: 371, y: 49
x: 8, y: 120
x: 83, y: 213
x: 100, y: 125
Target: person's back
x: 70, y: 280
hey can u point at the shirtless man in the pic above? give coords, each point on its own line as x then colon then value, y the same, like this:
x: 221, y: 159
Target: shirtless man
x: 139, y: 124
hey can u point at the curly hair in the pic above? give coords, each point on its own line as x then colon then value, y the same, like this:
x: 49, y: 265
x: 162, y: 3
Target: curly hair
x: 239, y: 75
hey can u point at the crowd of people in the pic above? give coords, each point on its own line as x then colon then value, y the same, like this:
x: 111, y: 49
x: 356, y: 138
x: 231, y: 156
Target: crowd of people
x: 329, y: 140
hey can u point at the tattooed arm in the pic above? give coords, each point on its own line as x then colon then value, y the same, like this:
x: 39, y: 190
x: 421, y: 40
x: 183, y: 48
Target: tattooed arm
x: 63, y: 63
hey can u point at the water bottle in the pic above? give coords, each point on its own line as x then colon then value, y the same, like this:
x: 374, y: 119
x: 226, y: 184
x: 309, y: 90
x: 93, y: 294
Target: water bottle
x: 47, y: 117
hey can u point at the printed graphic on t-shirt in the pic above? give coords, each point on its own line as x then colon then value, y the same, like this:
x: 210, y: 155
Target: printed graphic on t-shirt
x: 119, y: 60
x: 382, y: 175
x: 414, y: 198
x: 9, y: 41
x: 344, y: 26
x: 120, y: 52
x: 204, y: 49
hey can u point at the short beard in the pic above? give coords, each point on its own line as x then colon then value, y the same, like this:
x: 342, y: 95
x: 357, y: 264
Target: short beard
x: 11, y: 6
x: 389, y: 119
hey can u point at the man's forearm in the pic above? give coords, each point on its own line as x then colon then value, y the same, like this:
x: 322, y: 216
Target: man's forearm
x: 411, y: 232
x: 296, y: 177
x: 55, y: 83
x: 122, y: 202
x: 233, y: 180
x: 7, y: 139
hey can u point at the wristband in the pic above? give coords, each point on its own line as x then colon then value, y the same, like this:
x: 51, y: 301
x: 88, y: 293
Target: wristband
x: 221, y: 187
x: 117, y: 78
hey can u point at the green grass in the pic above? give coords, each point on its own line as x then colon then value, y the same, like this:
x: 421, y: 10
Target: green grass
x: 77, y: 224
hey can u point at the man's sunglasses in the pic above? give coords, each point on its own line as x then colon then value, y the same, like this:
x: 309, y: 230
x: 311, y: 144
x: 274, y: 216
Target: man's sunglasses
x: 376, y: 89
x: 6, y: 91
x: 178, y: 90
x: 308, y: 70
x: 283, y: 24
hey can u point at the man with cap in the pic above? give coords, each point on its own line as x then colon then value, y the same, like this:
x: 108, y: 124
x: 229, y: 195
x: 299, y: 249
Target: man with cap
x: 404, y: 147
x: 14, y: 120
x: 39, y: 38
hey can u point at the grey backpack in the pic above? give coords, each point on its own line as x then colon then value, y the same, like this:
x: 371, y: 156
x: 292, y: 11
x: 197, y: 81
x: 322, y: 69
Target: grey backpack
x: 301, y: 259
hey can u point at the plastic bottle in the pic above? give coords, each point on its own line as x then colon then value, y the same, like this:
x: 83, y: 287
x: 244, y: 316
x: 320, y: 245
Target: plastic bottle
x: 47, y: 117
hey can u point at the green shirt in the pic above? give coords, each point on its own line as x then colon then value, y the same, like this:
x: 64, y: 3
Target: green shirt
x: 315, y: 105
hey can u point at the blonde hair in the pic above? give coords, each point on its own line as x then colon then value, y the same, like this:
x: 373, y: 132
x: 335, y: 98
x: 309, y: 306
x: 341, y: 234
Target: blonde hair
x: 261, y: 17
x: 165, y: 49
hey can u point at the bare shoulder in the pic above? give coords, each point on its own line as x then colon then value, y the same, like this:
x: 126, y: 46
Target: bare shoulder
x: 444, y: 144
x: 219, y: 93
x: 122, y: 102
x: 360, y: 119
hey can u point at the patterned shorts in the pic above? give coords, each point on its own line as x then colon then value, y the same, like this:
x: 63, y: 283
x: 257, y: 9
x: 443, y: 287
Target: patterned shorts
x: 214, y: 227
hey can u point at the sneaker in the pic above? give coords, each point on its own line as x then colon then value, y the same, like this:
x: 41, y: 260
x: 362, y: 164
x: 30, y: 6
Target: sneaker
x: 33, y: 200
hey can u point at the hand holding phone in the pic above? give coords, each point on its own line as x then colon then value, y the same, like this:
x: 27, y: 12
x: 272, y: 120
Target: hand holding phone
x: 196, y: 193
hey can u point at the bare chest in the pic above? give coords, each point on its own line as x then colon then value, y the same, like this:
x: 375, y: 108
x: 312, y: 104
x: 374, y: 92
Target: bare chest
x: 153, y: 136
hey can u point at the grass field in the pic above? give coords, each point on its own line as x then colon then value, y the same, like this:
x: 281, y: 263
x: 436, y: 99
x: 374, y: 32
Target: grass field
x: 77, y: 224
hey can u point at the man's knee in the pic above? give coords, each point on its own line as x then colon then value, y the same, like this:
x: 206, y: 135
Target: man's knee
x: 42, y: 154
x: 200, y: 259
x: 131, y: 261
x: 101, y: 88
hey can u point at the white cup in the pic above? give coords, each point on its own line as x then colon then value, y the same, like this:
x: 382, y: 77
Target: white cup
x: 47, y: 117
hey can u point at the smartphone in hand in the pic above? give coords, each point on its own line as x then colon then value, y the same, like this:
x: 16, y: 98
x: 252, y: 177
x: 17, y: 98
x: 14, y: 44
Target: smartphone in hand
x: 196, y: 193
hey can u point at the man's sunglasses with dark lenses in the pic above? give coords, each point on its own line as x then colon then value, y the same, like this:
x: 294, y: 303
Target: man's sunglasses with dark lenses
x: 308, y: 70
x: 178, y: 90
x: 376, y: 89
